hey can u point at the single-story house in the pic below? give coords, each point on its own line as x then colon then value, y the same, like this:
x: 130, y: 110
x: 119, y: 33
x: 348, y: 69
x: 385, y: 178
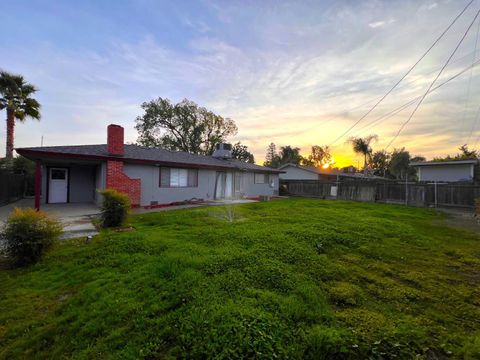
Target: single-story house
x: 300, y: 172
x: 447, y: 171
x: 149, y: 176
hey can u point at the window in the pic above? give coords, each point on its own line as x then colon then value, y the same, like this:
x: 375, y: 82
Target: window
x: 261, y: 178
x: 58, y: 174
x: 173, y: 177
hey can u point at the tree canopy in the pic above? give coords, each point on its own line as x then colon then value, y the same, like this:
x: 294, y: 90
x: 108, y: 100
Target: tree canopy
x: 16, y: 98
x: 464, y: 154
x: 319, y: 156
x: 271, y: 158
x: 184, y: 126
x: 240, y: 152
x: 363, y: 146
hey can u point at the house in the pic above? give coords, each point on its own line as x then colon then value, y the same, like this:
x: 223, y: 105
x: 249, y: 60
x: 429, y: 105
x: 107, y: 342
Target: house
x: 299, y: 172
x: 149, y: 176
x: 447, y: 171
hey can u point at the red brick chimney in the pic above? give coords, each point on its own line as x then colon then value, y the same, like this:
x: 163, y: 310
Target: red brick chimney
x: 115, y: 140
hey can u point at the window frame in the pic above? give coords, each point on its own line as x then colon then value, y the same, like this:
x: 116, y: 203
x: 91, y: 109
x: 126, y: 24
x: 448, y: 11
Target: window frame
x: 169, y: 186
x: 265, y: 178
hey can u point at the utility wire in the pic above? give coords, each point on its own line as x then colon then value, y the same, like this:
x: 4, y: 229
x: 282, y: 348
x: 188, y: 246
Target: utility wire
x: 474, y: 123
x: 404, y: 76
x: 406, y: 83
x: 433, y: 82
x: 412, y: 101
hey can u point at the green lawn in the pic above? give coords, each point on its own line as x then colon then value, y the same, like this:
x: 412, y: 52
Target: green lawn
x: 295, y: 278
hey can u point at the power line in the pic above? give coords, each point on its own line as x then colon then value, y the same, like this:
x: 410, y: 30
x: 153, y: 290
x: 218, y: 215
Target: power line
x: 474, y: 126
x: 412, y: 101
x: 433, y: 82
x: 404, y: 76
x: 474, y: 123
x: 405, y: 83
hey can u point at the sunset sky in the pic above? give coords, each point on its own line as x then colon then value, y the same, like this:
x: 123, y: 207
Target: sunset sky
x: 294, y: 73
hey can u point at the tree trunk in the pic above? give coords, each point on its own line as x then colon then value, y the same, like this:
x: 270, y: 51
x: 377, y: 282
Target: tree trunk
x: 10, y: 133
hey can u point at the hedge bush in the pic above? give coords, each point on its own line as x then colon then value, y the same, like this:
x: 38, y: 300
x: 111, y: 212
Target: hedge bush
x: 115, y: 207
x: 477, y: 208
x: 28, y: 234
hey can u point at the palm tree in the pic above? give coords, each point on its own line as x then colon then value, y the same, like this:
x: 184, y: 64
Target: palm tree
x: 362, y: 146
x: 15, y: 97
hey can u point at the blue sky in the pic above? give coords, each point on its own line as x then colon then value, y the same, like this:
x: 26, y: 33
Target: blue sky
x: 292, y: 72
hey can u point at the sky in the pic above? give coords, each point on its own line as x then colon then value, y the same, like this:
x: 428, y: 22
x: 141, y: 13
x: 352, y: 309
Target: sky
x: 294, y: 73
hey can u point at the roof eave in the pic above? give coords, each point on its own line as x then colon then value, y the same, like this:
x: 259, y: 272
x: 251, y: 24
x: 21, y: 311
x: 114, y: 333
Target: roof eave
x: 38, y: 155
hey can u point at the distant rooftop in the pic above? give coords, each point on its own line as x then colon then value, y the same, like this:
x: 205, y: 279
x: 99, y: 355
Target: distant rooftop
x: 332, y: 172
x: 450, y: 162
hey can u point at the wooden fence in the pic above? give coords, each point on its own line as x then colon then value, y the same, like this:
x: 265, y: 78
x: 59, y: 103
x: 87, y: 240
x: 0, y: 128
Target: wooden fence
x: 409, y: 193
x: 12, y: 187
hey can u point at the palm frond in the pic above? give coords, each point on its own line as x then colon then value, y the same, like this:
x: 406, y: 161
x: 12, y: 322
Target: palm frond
x: 15, y: 94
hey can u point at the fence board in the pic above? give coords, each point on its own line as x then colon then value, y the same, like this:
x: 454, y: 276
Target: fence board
x: 11, y: 187
x: 415, y: 194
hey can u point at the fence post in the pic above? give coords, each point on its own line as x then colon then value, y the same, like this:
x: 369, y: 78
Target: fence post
x: 406, y: 191
x: 38, y: 184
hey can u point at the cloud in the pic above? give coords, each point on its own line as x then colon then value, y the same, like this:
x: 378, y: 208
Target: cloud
x: 293, y: 74
x: 376, y: 24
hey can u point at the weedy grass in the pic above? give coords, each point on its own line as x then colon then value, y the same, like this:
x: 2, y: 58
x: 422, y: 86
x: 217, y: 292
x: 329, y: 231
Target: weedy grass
x: 297, y: 278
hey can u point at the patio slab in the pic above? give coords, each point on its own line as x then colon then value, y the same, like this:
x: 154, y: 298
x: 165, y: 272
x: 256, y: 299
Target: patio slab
x: 76, y: 218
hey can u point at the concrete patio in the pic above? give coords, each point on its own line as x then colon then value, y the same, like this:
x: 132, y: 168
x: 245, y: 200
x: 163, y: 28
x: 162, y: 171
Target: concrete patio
x: 76, y: 218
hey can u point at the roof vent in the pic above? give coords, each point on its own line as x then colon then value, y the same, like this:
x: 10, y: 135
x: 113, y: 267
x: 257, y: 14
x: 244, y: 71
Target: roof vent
x: 223, y: 151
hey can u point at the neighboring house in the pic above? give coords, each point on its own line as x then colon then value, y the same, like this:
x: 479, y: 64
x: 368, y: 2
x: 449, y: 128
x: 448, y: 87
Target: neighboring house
x: 447, y: 171
x: 149, y: 176
x: 300, y: 172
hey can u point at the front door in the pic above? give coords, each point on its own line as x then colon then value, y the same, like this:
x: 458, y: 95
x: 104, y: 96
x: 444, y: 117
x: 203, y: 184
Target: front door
x: 58, y: 185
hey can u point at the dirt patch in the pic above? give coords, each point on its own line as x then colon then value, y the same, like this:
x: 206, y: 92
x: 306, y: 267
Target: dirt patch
x: 461, y: 220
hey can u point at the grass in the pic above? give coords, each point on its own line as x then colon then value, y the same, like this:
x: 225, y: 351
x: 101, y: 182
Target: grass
x: 298, y: 278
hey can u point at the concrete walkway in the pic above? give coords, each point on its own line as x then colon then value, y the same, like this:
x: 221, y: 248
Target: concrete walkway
x: 76, y: 218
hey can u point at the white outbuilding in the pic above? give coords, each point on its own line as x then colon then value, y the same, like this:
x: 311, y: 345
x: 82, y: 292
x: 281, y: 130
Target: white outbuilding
x: 447, y: 171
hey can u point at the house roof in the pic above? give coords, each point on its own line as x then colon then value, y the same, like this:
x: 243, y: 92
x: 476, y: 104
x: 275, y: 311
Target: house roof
x: 330, y: 172
x: 140, y: 154
x: 312, y: 169
x: 438, y: 163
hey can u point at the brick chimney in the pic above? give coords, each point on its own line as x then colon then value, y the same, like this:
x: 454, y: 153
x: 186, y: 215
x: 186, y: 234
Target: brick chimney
x: 115, y: 140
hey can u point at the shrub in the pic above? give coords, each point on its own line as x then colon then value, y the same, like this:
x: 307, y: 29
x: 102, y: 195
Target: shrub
x: 477, y: 208
x: 115, y: 208
x: 28, y: 234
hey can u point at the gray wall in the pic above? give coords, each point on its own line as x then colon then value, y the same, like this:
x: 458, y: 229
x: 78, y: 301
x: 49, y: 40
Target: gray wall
x: 100, y: 181
x: 445, y: 172
x: 82, y: 183
x: 294, y: 173
x: 151, y: 191
x: 252, y: 189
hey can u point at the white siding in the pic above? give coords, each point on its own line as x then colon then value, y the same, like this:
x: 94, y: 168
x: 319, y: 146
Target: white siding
x: 151, y: 191
x: 445, y: 172
x: 294, y: 173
